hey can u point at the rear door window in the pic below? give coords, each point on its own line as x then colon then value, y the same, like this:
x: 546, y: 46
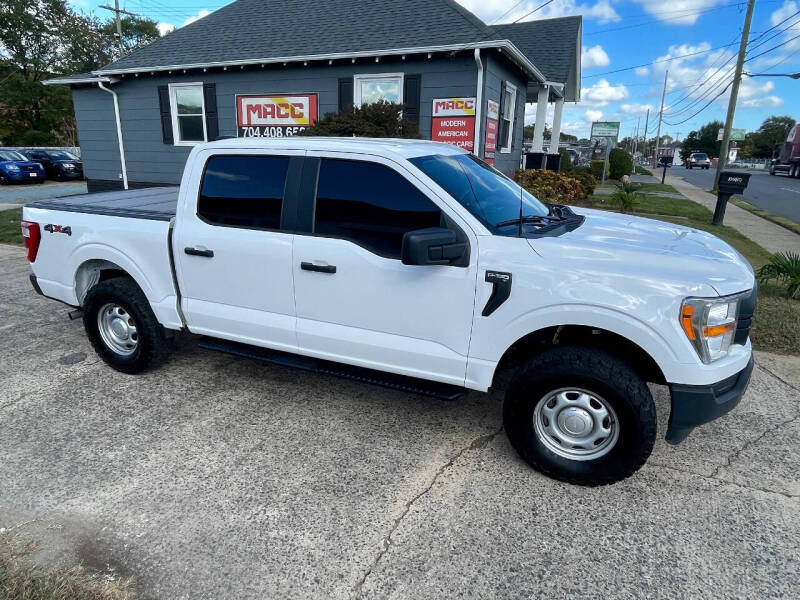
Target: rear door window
x: 370, y: 205
x: 243, y: 191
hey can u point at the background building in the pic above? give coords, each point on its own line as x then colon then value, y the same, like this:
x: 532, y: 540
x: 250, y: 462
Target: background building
x: 256, y: 68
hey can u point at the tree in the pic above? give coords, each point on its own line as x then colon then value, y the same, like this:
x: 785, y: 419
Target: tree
x: 379, y: 119
x: 761, y: 143
x: 702, y: 140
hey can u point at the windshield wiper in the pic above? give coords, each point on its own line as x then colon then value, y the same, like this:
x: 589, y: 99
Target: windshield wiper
x: 529, y: 219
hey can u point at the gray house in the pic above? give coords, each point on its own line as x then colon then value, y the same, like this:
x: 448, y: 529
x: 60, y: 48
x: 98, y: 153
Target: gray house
x: 268, y: 68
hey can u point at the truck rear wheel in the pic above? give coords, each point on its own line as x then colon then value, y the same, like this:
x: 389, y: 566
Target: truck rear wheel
x: 122, y: 327
x: 580, y: 415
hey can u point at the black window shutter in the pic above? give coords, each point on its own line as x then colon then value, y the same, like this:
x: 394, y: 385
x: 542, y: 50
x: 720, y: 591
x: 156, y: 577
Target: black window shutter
x: 514, y: 119
x: 166, y: 116
x: 412, y: 85
x: 502, y: 129
x: 212, y: 122
x: 345, y: 94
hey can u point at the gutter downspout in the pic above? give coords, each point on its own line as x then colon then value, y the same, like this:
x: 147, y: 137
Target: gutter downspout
x: 119, y: 134
x: 478, y: 104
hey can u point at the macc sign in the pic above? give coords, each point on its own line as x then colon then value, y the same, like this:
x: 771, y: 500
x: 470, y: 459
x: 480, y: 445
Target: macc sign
x: 453, y: 121
x: 275, y: 115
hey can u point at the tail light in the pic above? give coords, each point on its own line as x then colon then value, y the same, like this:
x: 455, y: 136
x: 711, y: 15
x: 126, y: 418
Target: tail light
x: 32, y: 236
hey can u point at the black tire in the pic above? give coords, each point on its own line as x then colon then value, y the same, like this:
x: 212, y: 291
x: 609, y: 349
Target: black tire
x: 601, y: 374
x: 3, y: 179
x: 152, y: 344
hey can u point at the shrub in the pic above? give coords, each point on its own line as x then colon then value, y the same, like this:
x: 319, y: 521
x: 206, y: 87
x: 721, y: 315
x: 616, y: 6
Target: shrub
x: 597, y: 169
x: 586, y: 179
x: 551, y: 187
x: 565, y: 165
x: 379, y: 119
x: 625, y: 197
x: 619, y: 163
x: 783, y: 267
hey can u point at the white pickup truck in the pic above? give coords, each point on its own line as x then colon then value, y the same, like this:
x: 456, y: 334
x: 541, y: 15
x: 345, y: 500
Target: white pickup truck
x: 414, y: 265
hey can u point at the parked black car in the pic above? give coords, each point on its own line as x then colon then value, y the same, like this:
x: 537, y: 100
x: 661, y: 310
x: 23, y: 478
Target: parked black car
x: 58, y: 164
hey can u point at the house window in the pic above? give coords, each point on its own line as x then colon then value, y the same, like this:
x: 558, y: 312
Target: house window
x: 371, y: 88
x: 188, y: 113
x: 508, y: 103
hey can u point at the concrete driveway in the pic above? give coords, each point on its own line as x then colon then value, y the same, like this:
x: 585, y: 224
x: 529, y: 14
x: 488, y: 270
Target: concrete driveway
x: 217, y: 477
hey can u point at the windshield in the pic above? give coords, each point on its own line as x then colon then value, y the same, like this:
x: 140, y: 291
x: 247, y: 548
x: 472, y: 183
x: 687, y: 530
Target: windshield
x: 484, y: 191
x: 60, y: 155
x: 11, y: 155
x: 700, y: 156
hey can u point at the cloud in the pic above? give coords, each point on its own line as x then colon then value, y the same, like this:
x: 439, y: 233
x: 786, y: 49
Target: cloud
x: 792, y: 25
x: 602, y: 92
x: 636, y: 109
x: 495, y: 10
x: 165, y: 28
x: 594, y: 57
x: 680, y: 12
x: 203, y: 13
x: 592, y: 115
x: 642, y: 71
x: 765, y: 102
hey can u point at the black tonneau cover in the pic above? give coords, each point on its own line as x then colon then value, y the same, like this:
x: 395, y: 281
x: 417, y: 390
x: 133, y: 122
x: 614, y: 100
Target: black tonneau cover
x: 158, y: 203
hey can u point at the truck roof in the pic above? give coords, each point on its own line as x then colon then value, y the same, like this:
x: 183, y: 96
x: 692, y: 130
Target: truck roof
x: 404, y: 148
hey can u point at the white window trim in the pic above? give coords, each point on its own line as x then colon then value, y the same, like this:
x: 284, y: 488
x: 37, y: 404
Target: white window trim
x: 511, y: 88
x: 357, y: 79
x: 173, y: 110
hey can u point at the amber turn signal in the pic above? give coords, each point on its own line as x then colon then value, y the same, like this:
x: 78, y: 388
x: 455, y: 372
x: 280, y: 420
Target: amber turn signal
x: 687, y: 314
x: 717, y: 330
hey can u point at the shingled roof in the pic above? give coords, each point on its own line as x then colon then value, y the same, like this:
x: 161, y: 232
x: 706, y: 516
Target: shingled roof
x: 268, y: 29
x: 553, y: 45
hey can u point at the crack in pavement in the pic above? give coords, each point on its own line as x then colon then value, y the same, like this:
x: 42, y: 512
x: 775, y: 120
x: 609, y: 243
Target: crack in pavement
x: 778, y: 377
x: 722, y: 481
x: 386, y: 542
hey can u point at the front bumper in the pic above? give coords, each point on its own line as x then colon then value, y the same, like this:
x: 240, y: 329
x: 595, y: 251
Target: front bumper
x: 693, y: 405
x: 23, y: 176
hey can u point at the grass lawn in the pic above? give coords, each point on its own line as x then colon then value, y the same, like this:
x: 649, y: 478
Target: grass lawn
x: 641, y: 170
x: 776, y: 326
x: 9, y: 226
x: 21, y: 581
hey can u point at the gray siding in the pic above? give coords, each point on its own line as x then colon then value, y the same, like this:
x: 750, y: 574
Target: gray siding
x: 496, y: 70
x: 150, y: 160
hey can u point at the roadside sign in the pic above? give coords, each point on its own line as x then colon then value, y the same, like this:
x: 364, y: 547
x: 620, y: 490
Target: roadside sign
x: 736, y: 134
x: 274, y: 115
x: 608, y: 129
x: 453, y: 122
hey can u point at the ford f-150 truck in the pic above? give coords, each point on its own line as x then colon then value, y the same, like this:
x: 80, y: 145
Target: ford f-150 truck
x: 415, y: 265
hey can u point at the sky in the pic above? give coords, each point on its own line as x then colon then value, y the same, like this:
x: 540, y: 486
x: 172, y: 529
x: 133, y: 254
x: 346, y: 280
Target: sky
x: 628, y: 46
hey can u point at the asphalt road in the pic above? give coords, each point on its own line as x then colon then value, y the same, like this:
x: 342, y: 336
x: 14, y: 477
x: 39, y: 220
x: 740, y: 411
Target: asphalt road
x: 16, y: 195
x: 776, y: 193
x: 217, y: 477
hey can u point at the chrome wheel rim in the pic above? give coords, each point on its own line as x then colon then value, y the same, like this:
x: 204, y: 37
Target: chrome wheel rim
x: 576, y: 424
x: 117, y: 329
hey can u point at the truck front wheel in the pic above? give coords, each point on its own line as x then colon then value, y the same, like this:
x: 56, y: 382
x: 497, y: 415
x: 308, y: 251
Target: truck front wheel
x: 580, y: 415
x: 122, y: 327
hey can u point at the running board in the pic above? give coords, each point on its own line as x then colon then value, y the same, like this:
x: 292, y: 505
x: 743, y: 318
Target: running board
x: 402, y: 383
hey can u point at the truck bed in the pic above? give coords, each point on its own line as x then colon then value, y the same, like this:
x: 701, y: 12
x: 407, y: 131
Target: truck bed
x: 157, y: 203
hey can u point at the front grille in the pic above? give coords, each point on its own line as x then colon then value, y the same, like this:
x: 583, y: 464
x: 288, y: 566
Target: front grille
x: 746, y: 308
x: 29, y: 168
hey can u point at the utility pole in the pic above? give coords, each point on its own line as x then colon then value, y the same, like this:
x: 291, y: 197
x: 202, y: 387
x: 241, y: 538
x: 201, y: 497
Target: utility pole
x: 737, y: 78
x: 661, y: 116
x: 117, y: 12
x: 646, y: 121
x: 636, y: 135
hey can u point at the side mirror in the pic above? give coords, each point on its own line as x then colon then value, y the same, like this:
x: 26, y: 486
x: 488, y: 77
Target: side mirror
x: 432, y: 246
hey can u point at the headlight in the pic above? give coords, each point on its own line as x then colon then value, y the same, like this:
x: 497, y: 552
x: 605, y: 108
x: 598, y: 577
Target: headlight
x: 68, y: 166
x: 710, y: 324
x: 12, y: 167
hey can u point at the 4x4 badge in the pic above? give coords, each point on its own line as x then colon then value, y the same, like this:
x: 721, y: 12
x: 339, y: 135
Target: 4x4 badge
x: 58, y: 229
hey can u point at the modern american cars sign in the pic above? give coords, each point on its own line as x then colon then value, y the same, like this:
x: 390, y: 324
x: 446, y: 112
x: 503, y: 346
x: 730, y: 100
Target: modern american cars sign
x: 274, y: 115
x: 453, y: 121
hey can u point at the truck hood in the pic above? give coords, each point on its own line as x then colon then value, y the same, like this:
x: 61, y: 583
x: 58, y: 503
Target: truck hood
x: 19, y: 163
x: 650, y: 249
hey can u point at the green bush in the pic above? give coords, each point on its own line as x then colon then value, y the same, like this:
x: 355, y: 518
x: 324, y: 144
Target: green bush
x: 565, y: 165
x: 784, y: 267
x: 619, y: 163
x: 597, y: 169
x: 625, y: 198
x: 378, y: 119
x: 551, y: 187
x: 586, y: 179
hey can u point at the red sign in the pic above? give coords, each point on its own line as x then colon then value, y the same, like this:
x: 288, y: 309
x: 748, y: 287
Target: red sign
x: 453, y: 122
x: 492, y: 116
x: 275, y: 115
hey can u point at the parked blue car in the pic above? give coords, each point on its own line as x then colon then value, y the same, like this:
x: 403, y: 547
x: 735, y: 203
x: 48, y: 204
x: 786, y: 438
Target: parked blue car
x: 15, y: 168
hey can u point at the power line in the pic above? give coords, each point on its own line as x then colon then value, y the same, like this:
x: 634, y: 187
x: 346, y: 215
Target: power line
x: 660, y: 61
x: 702, y: 109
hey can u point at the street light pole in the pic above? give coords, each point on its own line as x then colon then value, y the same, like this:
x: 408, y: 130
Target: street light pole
x: 737, y: 78
x: 661, y: 116
x: 646, y: 121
